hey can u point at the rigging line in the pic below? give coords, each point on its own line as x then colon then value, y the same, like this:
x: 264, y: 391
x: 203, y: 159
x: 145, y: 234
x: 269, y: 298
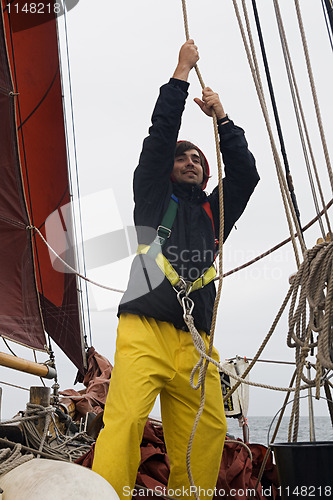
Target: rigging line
x: 40, y: 102
x: 276, y: 114
x: 76, y: 168
x: 74, y: 271
x: 58, y: 205
x: 288, y: 205
x: 40, y: 297
x: 256, y: 79
x: 314, y: 92
x: 328, y: 14
x: 276, y: 247
x: 8, y: 346
x: 279, y: 245
x: 13, y: 385
x: 300, y: 119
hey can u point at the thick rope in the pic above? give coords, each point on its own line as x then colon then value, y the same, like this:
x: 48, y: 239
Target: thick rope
x: 313, y: 291
x: 67, y: 448
x: 10, y: 459
x: 219, y: 289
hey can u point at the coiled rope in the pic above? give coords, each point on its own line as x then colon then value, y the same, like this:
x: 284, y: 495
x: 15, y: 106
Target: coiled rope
x: 67, y: 448
x: 9, y: 459
x: 313, y: 288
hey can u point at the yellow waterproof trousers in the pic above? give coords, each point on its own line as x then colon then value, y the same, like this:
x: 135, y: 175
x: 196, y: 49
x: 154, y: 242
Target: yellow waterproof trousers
x: 153, y: 357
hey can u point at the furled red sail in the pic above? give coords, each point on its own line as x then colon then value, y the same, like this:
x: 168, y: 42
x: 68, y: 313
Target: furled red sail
x: 34, y: 183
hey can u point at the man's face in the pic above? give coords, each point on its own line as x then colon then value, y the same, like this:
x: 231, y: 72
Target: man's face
x: 187, y: 168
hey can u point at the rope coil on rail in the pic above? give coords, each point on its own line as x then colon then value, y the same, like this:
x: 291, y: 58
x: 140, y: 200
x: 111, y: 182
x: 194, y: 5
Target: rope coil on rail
x: 68, y: 448
x: 9, y: 459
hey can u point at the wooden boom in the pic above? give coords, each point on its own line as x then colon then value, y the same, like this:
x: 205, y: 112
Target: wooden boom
x: 26, y: 366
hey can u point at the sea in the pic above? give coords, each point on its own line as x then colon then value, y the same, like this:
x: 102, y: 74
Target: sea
x: 261, y: 429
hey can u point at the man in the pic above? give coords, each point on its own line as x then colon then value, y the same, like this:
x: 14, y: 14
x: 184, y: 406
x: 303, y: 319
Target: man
x: 154, y: 351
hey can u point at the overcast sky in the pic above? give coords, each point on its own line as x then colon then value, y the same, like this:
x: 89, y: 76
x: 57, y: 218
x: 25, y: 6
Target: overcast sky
x: 120, y: 54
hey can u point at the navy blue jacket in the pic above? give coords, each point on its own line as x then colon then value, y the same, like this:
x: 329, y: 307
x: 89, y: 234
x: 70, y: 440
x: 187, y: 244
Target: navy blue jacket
x: 191, y: 246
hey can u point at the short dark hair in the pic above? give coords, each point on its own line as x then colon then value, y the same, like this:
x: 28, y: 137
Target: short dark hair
x: 183, y: 146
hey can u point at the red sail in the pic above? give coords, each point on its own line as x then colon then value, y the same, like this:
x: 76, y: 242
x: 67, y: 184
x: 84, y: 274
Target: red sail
x: 33, y: 162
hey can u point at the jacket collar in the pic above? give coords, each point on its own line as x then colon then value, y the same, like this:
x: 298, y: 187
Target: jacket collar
x: 189, y: 192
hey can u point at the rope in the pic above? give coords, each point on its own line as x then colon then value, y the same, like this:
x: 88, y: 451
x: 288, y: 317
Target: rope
x: 275, y: 111
x: 287, y: 202
x: 203, y: 371
x: 273, y: 249
x: 313, y: 291
x: 13, y: 385
x: 67, y: 448
x: 235, y: 441
x: 76, y: 176
x: 9, y: 459
x: 314, y: 92
x: 299, y: 111
x: 195, y: 336
x: 34, y: 228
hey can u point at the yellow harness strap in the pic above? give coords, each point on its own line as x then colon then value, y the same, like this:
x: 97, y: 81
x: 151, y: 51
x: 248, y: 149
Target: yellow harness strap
x: 172, y: 275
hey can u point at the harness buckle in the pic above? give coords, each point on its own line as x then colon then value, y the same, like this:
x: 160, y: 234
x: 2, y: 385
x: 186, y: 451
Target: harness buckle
x: 182, y: 287
x: 164, y: 229
x: 160, y: 238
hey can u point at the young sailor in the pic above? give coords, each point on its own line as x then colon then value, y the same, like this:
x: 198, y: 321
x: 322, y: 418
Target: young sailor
x: 154, y: 351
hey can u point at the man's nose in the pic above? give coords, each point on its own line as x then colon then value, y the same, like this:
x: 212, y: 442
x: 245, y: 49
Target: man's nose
x: 190, y: 162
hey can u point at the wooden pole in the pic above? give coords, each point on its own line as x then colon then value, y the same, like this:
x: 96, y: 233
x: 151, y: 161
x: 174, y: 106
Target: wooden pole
x: 26, y: 366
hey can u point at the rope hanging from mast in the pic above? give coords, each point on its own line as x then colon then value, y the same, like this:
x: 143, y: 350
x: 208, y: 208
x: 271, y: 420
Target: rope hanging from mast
x: 203, y: 369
